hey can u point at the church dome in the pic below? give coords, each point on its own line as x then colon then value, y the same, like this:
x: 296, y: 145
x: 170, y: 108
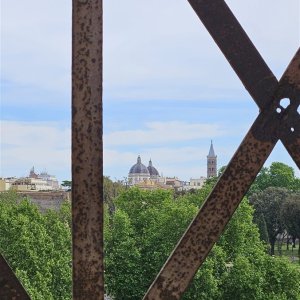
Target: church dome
x: 152, y: 170
x: 138, y: 168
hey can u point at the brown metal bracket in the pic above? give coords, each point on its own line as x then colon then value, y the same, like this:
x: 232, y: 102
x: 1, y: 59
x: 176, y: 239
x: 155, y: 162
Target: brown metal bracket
x: 10, y: 286
x: 273, y: 123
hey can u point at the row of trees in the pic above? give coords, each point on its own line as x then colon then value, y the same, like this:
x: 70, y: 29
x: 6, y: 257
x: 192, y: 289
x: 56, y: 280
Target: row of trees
x: 146, y: 226
x: 277, y: 175
x: 275, y: 196
x: 37, y: 246
x: 141, y: 228
x: 277, y: 214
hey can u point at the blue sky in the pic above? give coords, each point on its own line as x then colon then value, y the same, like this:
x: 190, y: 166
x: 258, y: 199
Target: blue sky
x: 168, y: 90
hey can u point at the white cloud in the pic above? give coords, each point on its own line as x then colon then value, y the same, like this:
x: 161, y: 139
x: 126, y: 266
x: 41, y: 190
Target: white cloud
x: 36, y: 48
x: 161, y: 49
x: 47, y: 146
x: 154, y: 48
x: 44, y: 145
x: 162, y: 133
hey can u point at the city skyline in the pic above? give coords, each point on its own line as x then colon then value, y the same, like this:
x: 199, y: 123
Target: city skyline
x: 168, y: 90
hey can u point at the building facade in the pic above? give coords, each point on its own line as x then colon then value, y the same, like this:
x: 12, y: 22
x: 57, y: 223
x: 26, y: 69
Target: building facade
x: 139, y: 173
x: 33, y: 182
x: 142, y: 176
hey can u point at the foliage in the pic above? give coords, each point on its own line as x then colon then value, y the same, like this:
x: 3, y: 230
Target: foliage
x: 67, y: 183
x: 151, y: 223
x: 268, y: 204
x: 37, y: 247
x: 262, y: 225
x: 140, y: 233
x: 291, y: 216
x: 281, y: 279
x: 277, y: 175
x: 111, y: 189
x: 147, y: 225
x: 241, y: 236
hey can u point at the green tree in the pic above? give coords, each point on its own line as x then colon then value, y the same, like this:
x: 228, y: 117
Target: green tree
x: 206, y: 283
x: 243, y: 281
x: 111, y: 189
x: 122, y: 257
x: 147, y: 225
x: 67, y: 183
x: 151, y: 222
x: 269, y: 204
x: 263, y: 230
x: 241, y: 236
x: 37, y: 247
x: 281, y: 279
x: 277, y: 175
x: 282, y: 175
x: 291, y: 216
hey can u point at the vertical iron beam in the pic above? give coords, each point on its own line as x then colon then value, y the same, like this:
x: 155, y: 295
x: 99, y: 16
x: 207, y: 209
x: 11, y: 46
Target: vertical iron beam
x: 10, y: 287
x: 87, y: 150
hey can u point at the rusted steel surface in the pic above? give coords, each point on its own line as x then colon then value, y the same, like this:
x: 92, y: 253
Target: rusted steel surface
x: 87, y: 165
x: 289, y: 87
x: 217, y: 210
x: 212, y: 218
x: 285, y: 117
x: 274, y: 122
x: 293, y: 150
x: 10, y: 287
x: 245, y: 60
x: 238, y: 49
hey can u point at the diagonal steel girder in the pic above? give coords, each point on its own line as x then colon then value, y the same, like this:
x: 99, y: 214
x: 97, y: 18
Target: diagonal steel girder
x: 10, y: 286
x: 268, y: 128
x: 244, y: 58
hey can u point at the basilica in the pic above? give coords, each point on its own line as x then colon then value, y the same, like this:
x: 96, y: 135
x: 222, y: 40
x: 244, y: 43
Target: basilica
x: 149, y: 177
x: 140, y: 173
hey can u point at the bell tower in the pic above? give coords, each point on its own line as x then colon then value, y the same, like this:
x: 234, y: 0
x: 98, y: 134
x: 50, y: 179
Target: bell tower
x: 211, y: 162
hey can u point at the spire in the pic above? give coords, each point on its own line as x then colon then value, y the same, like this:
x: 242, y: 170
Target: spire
x: 32, y: 173
x: 150, y: 163
x: 211, y: 162
x: 139, y: 161
x: 211, y: 150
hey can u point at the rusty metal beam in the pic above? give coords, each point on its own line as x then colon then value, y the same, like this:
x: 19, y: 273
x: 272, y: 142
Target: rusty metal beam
x: 293, y: 149
x: 10, y: 286
x: 211, y: 220
x: 238, y: 49
x: 87, y: 150
x: 244, y: 58
x: 290, y: 88
x: 220, y: 205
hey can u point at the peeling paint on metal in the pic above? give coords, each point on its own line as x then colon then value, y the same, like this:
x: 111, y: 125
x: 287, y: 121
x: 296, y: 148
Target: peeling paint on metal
x: 87, y: 151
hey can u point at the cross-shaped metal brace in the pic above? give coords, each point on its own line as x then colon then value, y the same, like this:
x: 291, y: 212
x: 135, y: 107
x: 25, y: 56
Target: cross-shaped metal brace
x: 274, y: 122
